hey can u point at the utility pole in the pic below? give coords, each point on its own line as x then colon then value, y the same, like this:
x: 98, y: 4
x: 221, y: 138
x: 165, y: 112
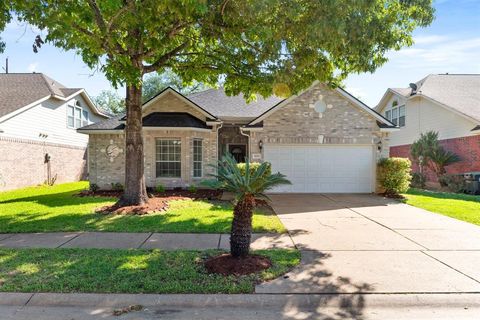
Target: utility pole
x: 6, y: 65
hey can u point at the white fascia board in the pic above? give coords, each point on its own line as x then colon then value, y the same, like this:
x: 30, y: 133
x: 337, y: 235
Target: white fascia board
x: 86, y: 131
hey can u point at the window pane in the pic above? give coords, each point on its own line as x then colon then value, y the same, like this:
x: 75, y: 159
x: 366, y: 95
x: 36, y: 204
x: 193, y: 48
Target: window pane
x: 168, y: 158
x: 401, y: 121
x: 197, y: 158
x: 70, y: 111
x: 401, y: 111
x: 78, y: 112
x: 388, y: 115
x: 78, y: 123
x: 394, y: 113
x: 70, y: 121
x: 395, y: 121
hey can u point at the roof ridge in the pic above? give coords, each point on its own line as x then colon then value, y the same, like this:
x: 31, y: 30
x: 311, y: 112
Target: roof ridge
x: 49, y: 81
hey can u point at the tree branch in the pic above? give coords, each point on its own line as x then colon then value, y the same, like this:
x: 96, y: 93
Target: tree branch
x: 163, y: 59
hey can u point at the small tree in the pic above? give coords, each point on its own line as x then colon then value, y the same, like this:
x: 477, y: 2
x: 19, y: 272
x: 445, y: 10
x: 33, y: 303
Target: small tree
x: 247, y: 185
x: 427, y: 152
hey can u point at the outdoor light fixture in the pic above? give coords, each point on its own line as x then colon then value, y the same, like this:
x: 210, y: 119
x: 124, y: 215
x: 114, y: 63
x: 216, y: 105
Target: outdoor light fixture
x: 379, y: 145
x: 260, y: 144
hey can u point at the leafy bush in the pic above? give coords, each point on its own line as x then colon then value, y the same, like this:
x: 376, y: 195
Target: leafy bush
x: 192, y: 188
x: 94, y: 187
x: 253, y: 167
x: 394, y: 175
x: 117, y: 186
x: 160, y: 188
x: 418, y: 180
x: 454, y: 183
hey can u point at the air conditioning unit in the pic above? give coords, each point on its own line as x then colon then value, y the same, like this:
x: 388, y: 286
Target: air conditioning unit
x: 472, y: 182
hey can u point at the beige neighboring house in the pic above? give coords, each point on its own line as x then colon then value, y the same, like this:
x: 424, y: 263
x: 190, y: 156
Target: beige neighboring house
x: 323, y: 139
x: 38, y: 137
x: 446, y: 103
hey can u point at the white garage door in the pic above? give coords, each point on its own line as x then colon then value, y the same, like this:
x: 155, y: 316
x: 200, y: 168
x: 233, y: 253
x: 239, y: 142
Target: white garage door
x: 341, y: 169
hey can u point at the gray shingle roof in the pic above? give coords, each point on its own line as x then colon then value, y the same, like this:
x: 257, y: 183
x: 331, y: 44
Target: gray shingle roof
x: 18, y: 90
x: 216, y: 102
x: 458, y: 91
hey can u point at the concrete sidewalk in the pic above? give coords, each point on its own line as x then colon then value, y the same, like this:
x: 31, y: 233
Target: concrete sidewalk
x: 53, y: 306
x: 119, y: 240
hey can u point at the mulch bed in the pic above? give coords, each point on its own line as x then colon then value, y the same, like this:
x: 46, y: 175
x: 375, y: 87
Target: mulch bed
x: 157, y: 201
x: 227, y: 265
x: 392, y: 196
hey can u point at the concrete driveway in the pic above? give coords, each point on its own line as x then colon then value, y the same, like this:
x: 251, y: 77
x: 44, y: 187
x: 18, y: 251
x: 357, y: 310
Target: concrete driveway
x: 368, y: 244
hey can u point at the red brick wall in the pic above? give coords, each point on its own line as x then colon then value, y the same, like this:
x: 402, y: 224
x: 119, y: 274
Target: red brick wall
x: 22, y: 163
x: 467, y: 148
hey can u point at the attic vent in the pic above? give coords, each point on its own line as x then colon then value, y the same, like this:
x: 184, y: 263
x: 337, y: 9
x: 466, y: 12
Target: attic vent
x: 413, y: 86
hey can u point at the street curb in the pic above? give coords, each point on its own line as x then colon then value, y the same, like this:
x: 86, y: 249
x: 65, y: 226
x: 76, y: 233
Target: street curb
x: 442, y: 300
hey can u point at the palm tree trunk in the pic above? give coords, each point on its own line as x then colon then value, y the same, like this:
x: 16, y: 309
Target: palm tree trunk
x: 241, y: 232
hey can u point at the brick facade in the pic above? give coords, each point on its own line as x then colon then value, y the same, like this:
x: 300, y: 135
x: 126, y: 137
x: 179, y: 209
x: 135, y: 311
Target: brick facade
x: 23, y: 163
x: 341, y: 123
x: 467, y: 148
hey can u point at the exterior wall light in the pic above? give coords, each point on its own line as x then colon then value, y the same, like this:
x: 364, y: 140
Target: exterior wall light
x: 260, y: 144
x: 379, y: 145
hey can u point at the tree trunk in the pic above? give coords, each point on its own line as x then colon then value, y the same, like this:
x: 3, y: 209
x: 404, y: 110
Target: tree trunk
x: 135, y: 190
x: 241, y: 232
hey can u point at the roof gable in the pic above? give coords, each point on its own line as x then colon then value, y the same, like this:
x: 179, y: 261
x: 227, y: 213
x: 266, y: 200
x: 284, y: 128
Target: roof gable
x: 19, y: 91
x: 340, y: 91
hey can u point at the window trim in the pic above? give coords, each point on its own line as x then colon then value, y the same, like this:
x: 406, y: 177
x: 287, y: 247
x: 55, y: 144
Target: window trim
x: 75, y: 107
x: 167, y: 161
x: 197, y: 161
x: 389, y: 114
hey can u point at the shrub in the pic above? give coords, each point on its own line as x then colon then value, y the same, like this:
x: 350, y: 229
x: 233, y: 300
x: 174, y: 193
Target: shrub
x: 454, y: 183
x: 418, y: 180
x: 160, y: 188
x: 192, y: 188
x: 117, y: 186
x: 253, y: 167
x: 394, y: 175
x: 94, y: 187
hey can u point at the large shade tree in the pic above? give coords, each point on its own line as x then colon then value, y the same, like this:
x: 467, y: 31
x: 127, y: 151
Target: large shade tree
x: 255, y: 46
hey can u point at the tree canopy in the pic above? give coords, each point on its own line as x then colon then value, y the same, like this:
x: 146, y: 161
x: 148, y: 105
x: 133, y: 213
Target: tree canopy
x: 257, y: 46
x: 156, y: 82
x: 110, y: 101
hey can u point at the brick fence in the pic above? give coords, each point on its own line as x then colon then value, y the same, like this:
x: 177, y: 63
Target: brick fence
x: 22, y: 162
x: 467, y: 148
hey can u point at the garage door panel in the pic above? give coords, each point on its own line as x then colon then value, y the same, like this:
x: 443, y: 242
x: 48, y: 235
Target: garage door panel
x: 338, y: 169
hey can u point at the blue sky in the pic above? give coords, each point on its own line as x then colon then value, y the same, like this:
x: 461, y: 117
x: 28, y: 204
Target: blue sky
x: 450, y: 44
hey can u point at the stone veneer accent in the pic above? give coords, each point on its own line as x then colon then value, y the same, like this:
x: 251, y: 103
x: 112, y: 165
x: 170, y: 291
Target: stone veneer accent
x: 230, y: 135
x: 22, y: 162
x: 298, y: 123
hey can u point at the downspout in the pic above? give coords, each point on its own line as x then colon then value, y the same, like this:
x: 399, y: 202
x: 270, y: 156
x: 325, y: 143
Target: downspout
x: 249, y: 144
x: 218, y: 139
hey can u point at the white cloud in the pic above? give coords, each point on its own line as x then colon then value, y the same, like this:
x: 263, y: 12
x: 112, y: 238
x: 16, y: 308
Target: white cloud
x: 32, y: 67
x: 429, y: 39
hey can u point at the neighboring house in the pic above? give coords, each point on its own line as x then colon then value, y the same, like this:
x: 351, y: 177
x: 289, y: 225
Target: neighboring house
x: 446, y: 103
x: 323, y: 139
x: 38, y: 138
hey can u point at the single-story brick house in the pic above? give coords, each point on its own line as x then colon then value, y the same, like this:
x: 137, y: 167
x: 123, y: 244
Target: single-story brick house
x: 323, y: 139
x: 38, y: 138
x: 446, y: 103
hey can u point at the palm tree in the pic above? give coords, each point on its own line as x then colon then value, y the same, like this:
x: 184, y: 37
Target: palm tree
x: 247, y: 186
x: 440, y: 158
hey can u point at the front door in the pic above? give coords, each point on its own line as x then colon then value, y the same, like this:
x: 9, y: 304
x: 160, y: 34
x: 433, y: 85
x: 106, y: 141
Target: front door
x: 238, y: 151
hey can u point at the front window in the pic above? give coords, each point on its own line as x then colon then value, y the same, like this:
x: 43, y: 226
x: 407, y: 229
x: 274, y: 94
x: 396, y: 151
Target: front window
x: 84, y: 118
x: 168, y: 158
x: 197, y: 158
x: 76, y: 118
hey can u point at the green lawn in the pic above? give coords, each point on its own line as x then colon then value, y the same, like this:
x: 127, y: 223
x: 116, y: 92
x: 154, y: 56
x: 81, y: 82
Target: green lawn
x: 47, y: 209
x: 459, y: 206
x: 127, y: 271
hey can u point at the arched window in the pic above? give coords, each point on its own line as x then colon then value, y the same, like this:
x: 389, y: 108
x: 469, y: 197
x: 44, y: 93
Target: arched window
x: 396, y: 114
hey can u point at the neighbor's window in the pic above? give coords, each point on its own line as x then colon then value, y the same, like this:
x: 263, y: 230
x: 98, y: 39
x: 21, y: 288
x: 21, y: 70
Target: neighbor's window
x: 396, y: 115
x: 168, y: 158
x: 197, y: 158
x: 84, y: 118
x: 70, y: 117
